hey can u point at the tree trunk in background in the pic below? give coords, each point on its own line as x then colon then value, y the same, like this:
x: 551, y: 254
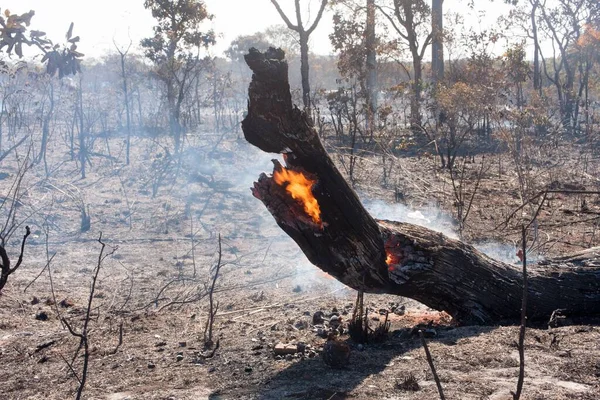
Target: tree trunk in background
x: 304, y: 35
x: 371, y: 68
x: 126, y: 101
x: 437, y: 44
x: 415, y: 101
x: 82, y: 134
x: 304, y: 69
x: 391, y: 257
x: 46, y: 127
x: 537, y: 73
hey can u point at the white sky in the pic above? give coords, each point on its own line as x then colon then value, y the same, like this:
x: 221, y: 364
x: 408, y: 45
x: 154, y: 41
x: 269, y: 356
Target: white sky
x: 98, y: 22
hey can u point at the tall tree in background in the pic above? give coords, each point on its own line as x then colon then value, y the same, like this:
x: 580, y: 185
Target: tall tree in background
x: 409, y: 19
x: 175, y: 50
x: 563, y: 23
x: 371, y: 43
x: 437, y: 46
x: 355, y: 40
x: 304, y: 35
x: 122, y: 55
x: 537, y: 73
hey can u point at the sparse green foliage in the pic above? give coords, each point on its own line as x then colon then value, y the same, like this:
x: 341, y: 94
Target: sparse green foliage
x: 62, y: 59
x: 175, y: 51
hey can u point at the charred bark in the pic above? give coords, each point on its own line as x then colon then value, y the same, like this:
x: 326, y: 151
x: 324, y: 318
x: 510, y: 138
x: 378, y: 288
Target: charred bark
x: 391, y: 257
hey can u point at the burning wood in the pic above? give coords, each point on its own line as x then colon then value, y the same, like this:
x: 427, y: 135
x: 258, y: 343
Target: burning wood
x: 385, y: 256
x: 390, y: 261
x: 300, y: 188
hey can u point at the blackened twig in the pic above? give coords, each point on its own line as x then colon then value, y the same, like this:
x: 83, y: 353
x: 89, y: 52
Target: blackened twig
x: 114, y: 351
x: 431, y: 366
x: 212, y: 310
x: 5, y: 269
x: 517, y: 395
x: 83, y: 335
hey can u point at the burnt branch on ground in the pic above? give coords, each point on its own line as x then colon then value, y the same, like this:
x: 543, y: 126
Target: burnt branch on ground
x: 391, y: 257
x: 5, y: 268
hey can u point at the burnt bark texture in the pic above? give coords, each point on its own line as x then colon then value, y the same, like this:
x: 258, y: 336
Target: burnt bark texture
x: 392, y: 257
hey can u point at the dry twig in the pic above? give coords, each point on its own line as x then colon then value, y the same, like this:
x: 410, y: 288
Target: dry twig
x: 213, y: 308
x: 517, y: 395
x: 431, y: 366
x: 5, y: 269
x: 83, y: 335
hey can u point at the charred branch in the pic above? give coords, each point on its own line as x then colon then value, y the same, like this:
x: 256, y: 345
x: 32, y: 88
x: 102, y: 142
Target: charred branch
x: 391, y: 257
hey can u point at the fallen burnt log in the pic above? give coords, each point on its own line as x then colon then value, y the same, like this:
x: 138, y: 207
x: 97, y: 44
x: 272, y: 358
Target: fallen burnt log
x: 314, y: 205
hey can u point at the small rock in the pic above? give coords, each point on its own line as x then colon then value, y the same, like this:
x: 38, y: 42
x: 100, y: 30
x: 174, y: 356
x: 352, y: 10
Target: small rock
x: 41, y: 316
x: 301, y: 347
x: 400, y: 310
x: 360, y: 347
x: 34, y: 301
x: 179, y: 356
x: 322, y: 333
x: 159, y: 344
x: 335, y: 321
x: 212, y: 369
x: 282, y: 349
x: 301, y: 324
x: 257, y: 347
x: 297, y: 289
x: 182, y: 344
x: 318, y: 318
x: 44, y: 345
x: 66, y: 303
x: 383, y: 311
x: 248, y: 369
x: 306, y: 313
x: 564, y: 354
x: 151, y: 365
x: 289, y: 357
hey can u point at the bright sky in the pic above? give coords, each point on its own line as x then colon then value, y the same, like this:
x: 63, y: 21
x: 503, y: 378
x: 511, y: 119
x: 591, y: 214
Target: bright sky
x: 99, y: 21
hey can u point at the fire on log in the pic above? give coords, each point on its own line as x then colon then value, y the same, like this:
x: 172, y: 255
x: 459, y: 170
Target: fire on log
x: 314, y: 205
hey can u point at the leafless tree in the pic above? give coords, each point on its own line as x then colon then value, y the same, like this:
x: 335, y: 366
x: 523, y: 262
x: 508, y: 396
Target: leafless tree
x: 304, y: 35
x: 122, y: 55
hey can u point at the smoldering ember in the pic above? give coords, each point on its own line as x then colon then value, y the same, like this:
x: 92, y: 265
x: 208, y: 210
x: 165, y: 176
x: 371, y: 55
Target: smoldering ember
x: 430, y: 217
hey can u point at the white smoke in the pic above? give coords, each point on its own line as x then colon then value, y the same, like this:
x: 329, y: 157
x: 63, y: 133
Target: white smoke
x: 429, y: 217
x: 433, y: 218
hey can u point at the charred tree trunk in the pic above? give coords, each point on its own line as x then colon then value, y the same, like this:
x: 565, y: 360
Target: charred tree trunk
x: 390, y: 257
x: 371, y: 65
x: 437, y: 42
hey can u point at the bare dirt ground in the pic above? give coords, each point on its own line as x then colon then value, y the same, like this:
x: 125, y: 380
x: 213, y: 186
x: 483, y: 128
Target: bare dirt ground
x: 154, y: 286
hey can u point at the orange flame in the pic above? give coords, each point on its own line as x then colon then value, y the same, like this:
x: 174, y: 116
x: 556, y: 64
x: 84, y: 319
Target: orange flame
x: 300, y: 188
x: 389, y: 261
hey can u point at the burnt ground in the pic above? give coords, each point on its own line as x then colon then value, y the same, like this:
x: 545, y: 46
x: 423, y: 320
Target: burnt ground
x: 154, y: 284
